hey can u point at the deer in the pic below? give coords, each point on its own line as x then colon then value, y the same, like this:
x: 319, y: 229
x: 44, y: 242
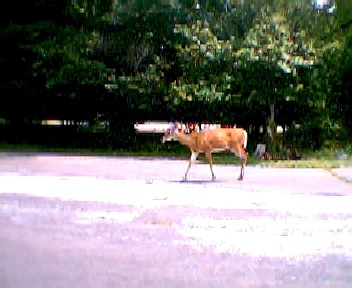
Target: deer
x: 209, y: 141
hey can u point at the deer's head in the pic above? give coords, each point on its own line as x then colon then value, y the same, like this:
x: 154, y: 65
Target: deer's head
x: 170, y: 133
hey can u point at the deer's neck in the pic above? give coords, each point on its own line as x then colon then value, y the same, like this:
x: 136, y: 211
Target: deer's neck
x: 185, y: 139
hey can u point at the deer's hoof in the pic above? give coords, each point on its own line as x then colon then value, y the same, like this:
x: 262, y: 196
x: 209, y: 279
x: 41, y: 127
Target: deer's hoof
x: 240, y: 178
x: 213, y: 178
x: 184, y: 179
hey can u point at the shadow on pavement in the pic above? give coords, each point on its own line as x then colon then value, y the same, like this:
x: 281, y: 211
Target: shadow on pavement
x: 195, y: 181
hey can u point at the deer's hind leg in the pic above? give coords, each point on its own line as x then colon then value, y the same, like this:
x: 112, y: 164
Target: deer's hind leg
x: 242, y: 154
x: 210, y: 161
x: 192, y: 160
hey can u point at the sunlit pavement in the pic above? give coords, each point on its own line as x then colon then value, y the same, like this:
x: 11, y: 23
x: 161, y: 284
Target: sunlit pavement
x: 122, y: 222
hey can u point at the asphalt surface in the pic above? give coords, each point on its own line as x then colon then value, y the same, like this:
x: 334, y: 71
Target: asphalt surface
x: 79, y: 221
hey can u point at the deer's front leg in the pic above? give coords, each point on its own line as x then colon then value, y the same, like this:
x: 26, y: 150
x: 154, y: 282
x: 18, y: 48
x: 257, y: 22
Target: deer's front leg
x: 210, y: 161
x: 243, y: 158
x: 242, y: 172
x: 192, y: 160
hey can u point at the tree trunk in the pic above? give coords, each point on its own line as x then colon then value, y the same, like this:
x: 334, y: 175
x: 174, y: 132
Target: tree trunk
x: 272, y: 112
x: 271, y: 126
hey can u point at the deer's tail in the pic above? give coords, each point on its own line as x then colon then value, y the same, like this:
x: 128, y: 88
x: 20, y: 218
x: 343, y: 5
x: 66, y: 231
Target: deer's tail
x: 245, y: 139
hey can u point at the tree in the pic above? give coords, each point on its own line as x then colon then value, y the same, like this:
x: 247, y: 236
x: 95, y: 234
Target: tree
x: 206, y: 55
x: 286, y: 40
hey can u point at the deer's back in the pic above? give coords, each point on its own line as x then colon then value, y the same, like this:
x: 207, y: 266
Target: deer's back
x: 218, y: 139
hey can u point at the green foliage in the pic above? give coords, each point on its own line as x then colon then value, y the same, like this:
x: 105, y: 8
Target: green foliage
x: 206, y: 56
x: 166, y: 59
x: 344, y: 11
x: 64, y: 55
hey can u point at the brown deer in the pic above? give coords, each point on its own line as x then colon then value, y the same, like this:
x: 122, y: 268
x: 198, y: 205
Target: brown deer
x: 212, y: 140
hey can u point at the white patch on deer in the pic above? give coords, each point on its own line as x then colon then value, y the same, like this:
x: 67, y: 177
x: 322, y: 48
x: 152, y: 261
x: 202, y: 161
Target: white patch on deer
x: 194, y: 157
x: 219, y: 150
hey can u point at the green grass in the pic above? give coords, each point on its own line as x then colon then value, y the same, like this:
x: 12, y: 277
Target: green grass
x: 308, y: 162
x: 324, y: 159
x: 180, y: 152
x: 43, y: 149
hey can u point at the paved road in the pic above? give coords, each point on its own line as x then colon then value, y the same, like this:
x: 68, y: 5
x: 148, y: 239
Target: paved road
x: 123, y: 222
